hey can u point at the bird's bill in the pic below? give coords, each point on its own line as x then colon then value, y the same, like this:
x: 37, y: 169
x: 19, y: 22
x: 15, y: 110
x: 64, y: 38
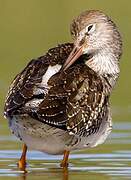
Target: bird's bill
x: 74, y: 55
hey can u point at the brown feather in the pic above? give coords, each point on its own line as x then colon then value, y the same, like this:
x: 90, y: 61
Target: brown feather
x: 75, y: 101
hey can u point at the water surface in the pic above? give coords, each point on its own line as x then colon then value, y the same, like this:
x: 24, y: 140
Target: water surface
x: 109, y: 161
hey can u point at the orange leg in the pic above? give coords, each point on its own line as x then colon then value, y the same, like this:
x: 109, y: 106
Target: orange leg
x: 22, y: 161
x: 64, y: 162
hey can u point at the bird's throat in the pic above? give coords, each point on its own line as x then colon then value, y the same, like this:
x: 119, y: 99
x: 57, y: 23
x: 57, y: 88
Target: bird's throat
x: 103, y: 64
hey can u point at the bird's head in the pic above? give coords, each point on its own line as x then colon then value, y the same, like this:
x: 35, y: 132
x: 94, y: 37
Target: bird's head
x: 96, y: 35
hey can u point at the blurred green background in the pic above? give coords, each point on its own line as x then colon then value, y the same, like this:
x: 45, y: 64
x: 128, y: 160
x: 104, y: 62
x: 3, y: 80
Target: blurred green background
x: 28, y: 28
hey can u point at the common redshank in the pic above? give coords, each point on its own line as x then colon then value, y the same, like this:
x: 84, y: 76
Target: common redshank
x: 60, y: 101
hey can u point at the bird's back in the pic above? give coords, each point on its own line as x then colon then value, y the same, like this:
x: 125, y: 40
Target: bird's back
x: 74, y: 100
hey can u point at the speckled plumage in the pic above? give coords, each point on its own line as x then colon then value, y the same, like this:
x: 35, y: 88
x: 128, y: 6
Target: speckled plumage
x: 74, y: 102
x: 65, y: 104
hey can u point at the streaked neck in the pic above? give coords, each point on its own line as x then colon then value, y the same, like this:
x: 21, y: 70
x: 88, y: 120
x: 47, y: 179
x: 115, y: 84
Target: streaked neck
x: 104, y: 63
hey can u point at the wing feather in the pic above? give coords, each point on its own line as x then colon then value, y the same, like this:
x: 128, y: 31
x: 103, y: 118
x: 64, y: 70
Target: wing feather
x: 73, y: 100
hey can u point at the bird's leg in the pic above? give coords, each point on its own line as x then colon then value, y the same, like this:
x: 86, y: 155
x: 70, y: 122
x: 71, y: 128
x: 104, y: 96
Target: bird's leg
x: 64, y: 162
x: 22, y: 161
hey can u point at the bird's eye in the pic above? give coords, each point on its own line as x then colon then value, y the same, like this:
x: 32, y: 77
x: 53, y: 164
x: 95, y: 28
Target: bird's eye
x: 90, y: 29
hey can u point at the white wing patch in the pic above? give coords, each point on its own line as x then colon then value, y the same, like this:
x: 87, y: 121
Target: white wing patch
x: 42, y: 87
x: 33, y: 103
x: 50, y: 72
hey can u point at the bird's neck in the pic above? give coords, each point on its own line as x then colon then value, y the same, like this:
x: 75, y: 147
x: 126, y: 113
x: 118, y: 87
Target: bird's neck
x: 105, y: 64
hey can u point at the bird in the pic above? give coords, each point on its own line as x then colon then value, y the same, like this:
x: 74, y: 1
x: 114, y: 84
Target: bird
x: 60, y: 102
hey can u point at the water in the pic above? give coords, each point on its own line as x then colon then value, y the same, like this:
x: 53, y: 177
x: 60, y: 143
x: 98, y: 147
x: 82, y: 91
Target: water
x: 109, y: 161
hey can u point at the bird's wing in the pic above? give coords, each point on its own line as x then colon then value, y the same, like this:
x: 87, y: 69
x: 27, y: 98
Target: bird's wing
x: 70, y: 100
x: 28, y: 85
x: 76, y: 101
x: 22, y: 88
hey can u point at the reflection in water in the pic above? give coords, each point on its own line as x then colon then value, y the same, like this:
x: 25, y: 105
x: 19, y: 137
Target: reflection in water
x: 113, y: 164
x: 23, y: 177
x: 62, y: 175
x: 65, y: 173
x: 113, y: 159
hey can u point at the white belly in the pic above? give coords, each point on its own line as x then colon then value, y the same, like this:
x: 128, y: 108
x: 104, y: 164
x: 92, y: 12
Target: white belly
x: 42, y: 137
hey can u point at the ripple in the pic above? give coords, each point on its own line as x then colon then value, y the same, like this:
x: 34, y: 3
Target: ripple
x: 35, y: 155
